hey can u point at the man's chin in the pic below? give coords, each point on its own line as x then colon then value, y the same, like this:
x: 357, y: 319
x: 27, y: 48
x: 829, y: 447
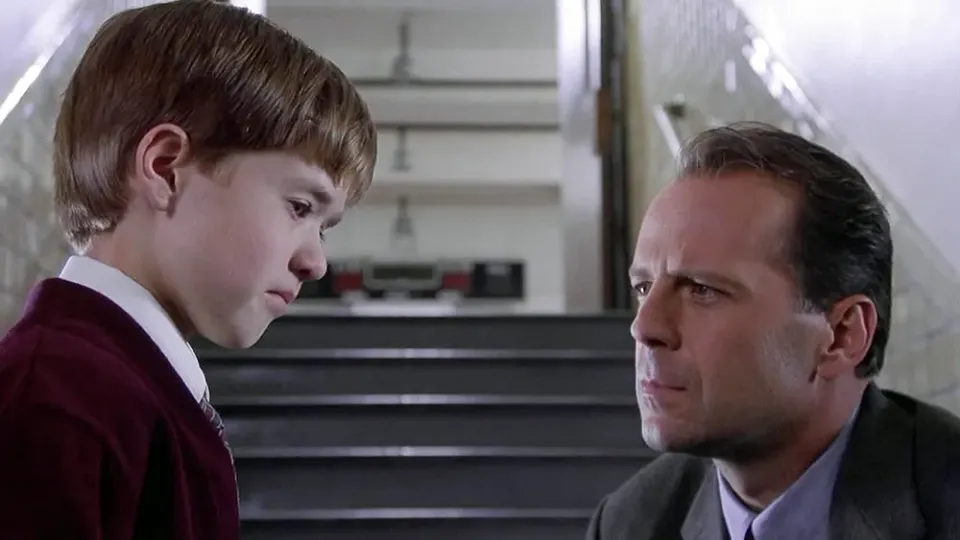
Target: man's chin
x: 659, y: 441
x: 663, y: 434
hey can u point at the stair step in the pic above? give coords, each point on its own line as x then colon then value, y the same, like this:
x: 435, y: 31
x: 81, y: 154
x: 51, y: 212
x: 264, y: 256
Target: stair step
x: 429, y: 428
x: 604, y: 331
x: 432, y: 420
x: 417, y: 524
x: 522, y: 481
x: 328, y: 452
x: 423, y: 371
x: 310, y: 355
x: 418, y: 400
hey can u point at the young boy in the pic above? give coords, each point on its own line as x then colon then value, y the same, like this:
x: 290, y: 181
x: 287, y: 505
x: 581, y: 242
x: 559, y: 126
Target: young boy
x: 201, y: 153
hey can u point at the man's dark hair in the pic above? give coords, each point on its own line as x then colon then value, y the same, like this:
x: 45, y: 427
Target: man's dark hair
x: 841, y: 244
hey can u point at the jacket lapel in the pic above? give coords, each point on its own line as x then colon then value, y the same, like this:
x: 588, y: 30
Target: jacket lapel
x: 705, y: 518
x: 875, y: 497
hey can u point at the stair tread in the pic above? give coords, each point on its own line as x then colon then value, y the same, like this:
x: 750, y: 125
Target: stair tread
x: 396, y: 353
x: 421, y: 513
x: 377, y: 400
x: 507, y: 331
x: 415, y: 452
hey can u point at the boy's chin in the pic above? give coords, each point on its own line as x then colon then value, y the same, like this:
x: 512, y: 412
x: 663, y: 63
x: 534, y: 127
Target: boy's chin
x: 241, y: 336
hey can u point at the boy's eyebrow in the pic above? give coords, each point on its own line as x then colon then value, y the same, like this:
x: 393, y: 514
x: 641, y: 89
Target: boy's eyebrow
x: 316, y: 190
x: 332, y: 222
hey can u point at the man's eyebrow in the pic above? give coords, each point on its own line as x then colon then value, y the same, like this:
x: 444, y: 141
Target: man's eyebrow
x: 692, y: 274
x: 638, y: 273
x: 709, y: 276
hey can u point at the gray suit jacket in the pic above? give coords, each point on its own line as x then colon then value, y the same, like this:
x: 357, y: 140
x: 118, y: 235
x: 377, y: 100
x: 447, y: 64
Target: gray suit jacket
x: 899, y: 479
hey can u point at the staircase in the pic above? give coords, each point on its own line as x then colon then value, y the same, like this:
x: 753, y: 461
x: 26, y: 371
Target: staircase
x: 429, y: 428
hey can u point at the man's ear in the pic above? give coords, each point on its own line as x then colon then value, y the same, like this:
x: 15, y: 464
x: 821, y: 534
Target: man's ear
x: 160, y: 152
x: 853, y: 322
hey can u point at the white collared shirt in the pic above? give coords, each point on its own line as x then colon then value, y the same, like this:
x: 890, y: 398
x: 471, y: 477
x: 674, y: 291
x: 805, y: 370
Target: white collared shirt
x: 143, y: 308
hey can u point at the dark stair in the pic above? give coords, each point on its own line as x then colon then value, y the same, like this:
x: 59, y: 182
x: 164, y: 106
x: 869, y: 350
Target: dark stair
x: 429, y: 428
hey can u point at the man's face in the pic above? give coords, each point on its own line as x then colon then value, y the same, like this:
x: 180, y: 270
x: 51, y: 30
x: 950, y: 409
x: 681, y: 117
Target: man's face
x: 242, y: 239
x: 724, y: 358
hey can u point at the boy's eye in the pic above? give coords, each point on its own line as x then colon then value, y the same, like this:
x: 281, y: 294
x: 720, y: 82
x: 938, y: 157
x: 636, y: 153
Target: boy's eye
x: 301, y: 209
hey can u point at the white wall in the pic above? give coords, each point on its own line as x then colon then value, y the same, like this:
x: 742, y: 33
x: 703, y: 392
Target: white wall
x: 885, y: 72
x: 481, y: 186
x: 463, y: 43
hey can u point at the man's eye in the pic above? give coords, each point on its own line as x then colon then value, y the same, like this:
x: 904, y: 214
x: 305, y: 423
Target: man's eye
x: 702, y: 291
x: 641, y: 289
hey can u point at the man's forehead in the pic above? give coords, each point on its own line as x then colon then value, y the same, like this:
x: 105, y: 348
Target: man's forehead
x: 708, y: 219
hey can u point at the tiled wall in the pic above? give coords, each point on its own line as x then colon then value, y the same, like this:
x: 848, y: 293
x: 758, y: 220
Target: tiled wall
x: 878, y: 69
x: 31, y: 245
x: 708, y: 53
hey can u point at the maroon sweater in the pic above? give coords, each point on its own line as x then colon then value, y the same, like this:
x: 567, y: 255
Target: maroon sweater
x: 99, y: 437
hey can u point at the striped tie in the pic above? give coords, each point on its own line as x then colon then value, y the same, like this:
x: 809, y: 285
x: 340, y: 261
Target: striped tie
x: 214, y: 417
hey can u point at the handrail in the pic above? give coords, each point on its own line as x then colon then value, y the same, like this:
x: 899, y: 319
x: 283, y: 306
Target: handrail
x: 668, y: 129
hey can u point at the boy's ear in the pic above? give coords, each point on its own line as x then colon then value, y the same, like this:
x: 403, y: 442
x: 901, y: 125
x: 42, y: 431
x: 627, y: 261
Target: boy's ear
x: 160, y: 152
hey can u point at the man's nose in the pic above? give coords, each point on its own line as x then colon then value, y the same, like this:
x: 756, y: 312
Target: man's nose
x: 654, y: 324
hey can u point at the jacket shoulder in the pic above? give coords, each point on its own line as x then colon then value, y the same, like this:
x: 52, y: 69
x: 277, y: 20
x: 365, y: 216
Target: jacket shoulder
x: 69, y: 367
x: 656, y: 498
x: 936, y: 456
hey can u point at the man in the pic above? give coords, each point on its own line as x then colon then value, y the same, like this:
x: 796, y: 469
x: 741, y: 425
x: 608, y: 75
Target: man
x: 201, y: 153
x: 763, y: 278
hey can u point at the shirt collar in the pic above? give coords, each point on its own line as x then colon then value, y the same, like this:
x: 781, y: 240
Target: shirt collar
x: 805, y: 504
x: 143, y: 308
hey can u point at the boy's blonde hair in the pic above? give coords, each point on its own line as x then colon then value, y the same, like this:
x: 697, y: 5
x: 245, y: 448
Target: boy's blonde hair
x: 230, y: 79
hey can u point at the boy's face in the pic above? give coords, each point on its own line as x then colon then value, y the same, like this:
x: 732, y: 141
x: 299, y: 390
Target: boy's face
x: 237, y: 242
